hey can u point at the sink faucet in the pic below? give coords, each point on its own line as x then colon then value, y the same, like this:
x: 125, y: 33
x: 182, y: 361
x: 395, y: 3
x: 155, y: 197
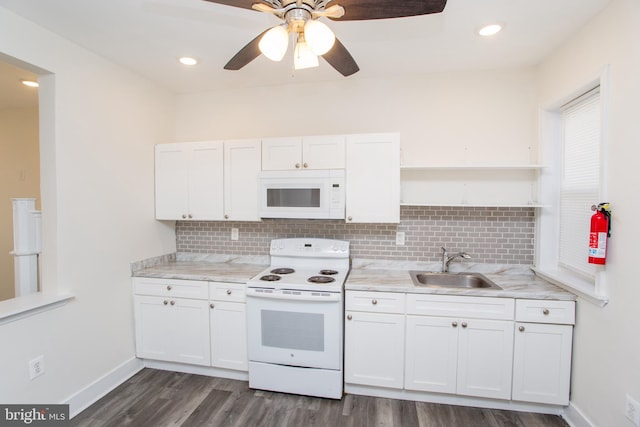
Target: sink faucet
x: 446, y: 259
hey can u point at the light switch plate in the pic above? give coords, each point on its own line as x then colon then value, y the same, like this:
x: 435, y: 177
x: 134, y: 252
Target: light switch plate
x: 234, y: 234
x: 399, y: 238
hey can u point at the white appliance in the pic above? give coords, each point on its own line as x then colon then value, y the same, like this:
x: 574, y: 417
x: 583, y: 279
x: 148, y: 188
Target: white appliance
x: 310, y: 194
x: 295, y: 318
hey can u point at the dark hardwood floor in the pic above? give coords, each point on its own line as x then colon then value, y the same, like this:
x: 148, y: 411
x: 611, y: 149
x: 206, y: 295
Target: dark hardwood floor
x: 159, y: 398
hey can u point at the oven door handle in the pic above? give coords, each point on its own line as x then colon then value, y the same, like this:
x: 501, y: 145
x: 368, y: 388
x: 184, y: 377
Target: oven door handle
x: 304, y: 296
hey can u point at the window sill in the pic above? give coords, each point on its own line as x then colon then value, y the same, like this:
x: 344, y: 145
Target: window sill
x: 572, y: 283
x: 29, y: 305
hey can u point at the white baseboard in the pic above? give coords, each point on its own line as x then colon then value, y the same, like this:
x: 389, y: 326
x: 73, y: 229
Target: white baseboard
x: 575, y: 418
x: 84, y: 398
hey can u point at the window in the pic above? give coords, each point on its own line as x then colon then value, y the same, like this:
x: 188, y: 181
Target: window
x: 580, y: 180
x: 573, y: 143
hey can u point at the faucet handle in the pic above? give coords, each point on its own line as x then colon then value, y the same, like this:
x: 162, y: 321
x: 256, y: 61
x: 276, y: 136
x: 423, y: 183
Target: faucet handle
x: 443, y: 249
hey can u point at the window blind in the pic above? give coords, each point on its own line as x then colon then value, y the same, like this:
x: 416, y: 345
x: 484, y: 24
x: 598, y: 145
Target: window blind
x: 580, y: 184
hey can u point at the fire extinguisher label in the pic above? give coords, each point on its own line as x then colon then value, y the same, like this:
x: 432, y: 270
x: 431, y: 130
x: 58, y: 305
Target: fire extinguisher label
x: 597, y: 244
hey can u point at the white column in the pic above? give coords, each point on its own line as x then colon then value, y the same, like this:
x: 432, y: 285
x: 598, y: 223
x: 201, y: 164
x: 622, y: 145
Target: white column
x: 26, y: 245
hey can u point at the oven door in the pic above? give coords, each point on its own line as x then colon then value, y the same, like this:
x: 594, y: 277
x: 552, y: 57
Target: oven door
x: 295, y: 328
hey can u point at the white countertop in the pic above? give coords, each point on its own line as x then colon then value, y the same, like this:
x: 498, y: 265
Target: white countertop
x: 515, y: 281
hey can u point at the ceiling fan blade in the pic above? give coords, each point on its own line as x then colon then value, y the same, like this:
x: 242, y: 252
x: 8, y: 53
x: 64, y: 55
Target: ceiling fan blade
x: 247, y: 54
x: 340, y: 59
x: 334, y: 12
x: 244, y: 4
x: 357, y: 10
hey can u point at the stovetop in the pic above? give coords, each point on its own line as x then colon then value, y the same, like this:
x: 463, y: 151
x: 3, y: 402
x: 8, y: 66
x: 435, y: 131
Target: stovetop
x: 305, y: 264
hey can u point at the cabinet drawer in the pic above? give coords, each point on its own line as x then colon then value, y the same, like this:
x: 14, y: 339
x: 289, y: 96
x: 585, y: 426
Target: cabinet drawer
x: 223, y: 291
x: 460, y: 306
x: 193, y: 289
x: 546, y: 311
x: 377, y: 302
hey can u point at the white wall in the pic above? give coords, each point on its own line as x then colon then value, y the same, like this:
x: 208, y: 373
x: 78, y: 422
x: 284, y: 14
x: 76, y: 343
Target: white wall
x: 492, y: 113
x: 97, y: 203
x: 606, y: 364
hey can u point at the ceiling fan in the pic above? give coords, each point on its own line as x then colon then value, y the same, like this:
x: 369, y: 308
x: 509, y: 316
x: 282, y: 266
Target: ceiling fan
x: 312, y: 37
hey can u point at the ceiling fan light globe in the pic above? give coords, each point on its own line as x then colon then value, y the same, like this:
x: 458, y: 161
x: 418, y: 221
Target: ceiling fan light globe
x: 319, y: 37
x: 274, y: 43
x: 303, y: 57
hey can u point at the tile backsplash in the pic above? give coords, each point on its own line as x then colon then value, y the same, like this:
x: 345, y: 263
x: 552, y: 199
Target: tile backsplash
x: 489, y: 235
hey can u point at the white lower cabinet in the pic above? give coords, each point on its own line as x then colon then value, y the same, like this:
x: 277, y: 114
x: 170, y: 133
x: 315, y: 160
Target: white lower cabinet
x: 374, y: 339
x: 228, y: 326
x: 496, y: 348
x: 373, y: 349
x: 172, y: 329
x: 470, y: 357
x: 193, y: 322
x: 542, y: 351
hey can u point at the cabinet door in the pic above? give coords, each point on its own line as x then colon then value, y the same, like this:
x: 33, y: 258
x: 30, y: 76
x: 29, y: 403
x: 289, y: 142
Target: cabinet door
x: 373, y: 178
x: 485, y: 352
x: 172, y: 329
x: 206, y: 181
x: 228, y: 327
x: 542, y: 363
x: 281, y: 154
x: 241, y: 169
x: 153, y: 328
x: 374, y: 349
x: 189, y: 331
x: 323, y: 152
x: 171, y: 181
x: 431, y: 354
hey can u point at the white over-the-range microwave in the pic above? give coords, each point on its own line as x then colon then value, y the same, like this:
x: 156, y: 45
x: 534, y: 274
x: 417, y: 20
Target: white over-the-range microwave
x: 309, y: 194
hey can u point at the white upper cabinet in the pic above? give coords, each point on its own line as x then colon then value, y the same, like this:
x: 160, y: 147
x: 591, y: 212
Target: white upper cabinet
x: 189, y: 181
x: 309, y: 152
x: 373, y: 178
x: 241, y: 169
x: 208, y: 181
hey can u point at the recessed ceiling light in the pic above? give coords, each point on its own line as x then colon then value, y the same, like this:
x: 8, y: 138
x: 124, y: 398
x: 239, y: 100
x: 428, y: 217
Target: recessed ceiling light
x: 186, y: 60
x: 30, y: 83
x: 489, y: 30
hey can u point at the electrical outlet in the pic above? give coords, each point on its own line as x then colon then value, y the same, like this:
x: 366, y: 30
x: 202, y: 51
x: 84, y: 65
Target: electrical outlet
x: 399, y: 238
x: 234, y: 234
x: 632, y: 411
x: 36, y: 367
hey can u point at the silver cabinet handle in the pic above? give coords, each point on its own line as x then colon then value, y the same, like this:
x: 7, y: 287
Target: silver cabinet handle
x: 305, y: 165
x: 228, y: 291
x: 211, y: 305
x: 464, y: 324
x: 168, y: 287
x: 184, y: 216
x: 374, y: 301
x: 349, y: 317
x: 297, y: 165
x: 165, y: 302
x: 349, y: 218
x: 521, y: 328
x: 173, y: 302
x: 545, y: 311
x: 190, y: 216
x: 454, y: 324
x: 226, y: 217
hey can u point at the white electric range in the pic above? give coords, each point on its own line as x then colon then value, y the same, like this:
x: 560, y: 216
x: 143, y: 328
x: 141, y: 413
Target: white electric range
x: 295, y: 318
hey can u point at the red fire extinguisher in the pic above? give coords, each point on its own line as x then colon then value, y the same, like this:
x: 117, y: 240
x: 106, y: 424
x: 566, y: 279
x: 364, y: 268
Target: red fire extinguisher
x: 600, y: 231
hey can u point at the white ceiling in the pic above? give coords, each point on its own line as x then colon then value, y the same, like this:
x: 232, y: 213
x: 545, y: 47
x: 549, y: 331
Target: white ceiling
x: 147, y: 36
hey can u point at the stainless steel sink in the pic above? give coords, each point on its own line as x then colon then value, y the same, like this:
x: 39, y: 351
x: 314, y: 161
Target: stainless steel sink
x: 452, y: 280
